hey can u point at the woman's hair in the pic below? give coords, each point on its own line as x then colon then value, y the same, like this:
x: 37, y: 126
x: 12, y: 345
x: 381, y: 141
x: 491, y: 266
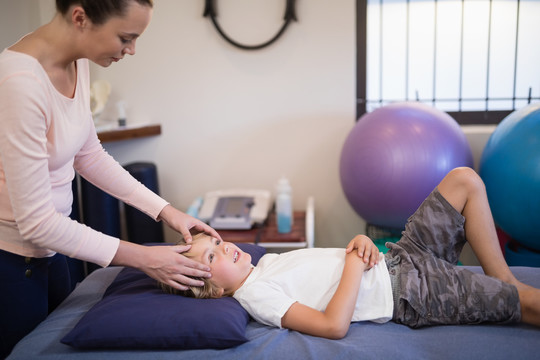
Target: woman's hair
x: 99, y: 11
x: 208, y: 291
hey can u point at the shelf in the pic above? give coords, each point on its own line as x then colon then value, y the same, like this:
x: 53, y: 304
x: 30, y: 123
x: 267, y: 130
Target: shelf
x: 128, y: 133
x: 268, y: 236
x: 302, y: 233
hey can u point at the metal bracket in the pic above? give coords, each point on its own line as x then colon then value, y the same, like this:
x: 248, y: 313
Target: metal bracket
x: 209, y: 10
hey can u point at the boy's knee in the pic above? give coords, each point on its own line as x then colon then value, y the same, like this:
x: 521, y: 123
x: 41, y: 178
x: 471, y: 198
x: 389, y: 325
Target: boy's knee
x: 463, y: 172
x: 468, y: 178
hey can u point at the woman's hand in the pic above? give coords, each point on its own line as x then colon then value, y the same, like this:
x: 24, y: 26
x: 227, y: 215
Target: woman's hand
x: 366, y: 250
x: 166, y: 263
x: 163, y: 263
x: 183, y: 223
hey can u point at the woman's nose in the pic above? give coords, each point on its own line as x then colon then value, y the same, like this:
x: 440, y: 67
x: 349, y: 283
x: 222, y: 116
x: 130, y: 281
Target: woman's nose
x: 130, y: 50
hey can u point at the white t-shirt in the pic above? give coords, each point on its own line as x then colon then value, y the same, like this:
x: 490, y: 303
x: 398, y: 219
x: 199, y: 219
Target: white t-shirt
x: 311, y: 277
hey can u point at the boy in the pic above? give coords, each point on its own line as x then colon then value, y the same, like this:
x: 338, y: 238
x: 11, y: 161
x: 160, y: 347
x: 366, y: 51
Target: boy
x: 320, y: 291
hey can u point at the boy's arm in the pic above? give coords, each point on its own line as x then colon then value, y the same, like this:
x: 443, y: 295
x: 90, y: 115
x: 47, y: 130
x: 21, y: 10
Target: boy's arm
x: 334, y: 322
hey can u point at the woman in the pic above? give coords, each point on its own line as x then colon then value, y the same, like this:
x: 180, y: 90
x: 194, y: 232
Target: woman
x: 47, y: 132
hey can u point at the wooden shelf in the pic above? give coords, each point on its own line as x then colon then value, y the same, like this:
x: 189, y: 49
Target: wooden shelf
x: 128, y: 133
x: 268, y: 236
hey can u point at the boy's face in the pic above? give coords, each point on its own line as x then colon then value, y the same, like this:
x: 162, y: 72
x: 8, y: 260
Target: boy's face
x: 229, y: 265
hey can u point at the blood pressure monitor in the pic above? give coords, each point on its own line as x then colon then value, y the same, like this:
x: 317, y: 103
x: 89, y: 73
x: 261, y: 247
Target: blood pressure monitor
x: 235, y: 209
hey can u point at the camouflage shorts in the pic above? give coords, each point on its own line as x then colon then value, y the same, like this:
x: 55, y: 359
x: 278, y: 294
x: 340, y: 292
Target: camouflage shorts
x: 433, y: 290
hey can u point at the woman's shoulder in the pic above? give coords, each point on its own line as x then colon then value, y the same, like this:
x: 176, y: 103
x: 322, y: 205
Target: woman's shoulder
x: 12, y: 56
x: 13, y: 63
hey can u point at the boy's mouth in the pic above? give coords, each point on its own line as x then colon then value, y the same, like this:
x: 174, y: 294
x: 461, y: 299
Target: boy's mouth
x: 236, y: 256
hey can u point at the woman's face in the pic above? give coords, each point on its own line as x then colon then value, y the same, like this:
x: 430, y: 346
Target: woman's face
x: 109, y: 42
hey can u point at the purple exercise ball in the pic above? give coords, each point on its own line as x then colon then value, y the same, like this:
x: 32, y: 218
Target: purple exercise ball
x: 395, y: 156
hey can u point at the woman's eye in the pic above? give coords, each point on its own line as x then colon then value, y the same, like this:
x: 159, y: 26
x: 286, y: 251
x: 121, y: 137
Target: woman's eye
x: 124, y: 40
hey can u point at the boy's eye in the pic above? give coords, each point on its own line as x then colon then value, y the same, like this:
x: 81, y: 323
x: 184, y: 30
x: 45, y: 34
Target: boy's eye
x: 210, y: 257
x: 218, y: 242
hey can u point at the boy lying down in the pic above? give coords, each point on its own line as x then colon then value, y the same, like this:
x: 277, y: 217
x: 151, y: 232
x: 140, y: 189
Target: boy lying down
x: 417, y: 283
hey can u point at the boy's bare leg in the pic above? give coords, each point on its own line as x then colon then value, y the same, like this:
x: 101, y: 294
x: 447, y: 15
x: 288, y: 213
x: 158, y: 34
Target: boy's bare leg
x: 529, y: 299
x: 466, y: 192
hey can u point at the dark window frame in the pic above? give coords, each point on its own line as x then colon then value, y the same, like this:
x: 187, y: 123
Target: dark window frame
x: 487, y: 117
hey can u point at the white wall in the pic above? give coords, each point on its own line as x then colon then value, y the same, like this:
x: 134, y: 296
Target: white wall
x: 233, y: 118
x: 20, y: 17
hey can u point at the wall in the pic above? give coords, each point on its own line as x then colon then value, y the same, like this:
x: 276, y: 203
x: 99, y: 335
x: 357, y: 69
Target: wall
x: 232, y: 118
x: 20, y: 17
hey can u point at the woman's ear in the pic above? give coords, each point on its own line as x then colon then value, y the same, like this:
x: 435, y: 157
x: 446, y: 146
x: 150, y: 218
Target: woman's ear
x: 78, y: 17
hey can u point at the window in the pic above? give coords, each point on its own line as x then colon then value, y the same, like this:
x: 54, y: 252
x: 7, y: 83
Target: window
x: 475, y: 59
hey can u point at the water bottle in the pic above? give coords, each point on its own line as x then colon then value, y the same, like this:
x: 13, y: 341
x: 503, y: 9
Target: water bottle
x: 284, y: 211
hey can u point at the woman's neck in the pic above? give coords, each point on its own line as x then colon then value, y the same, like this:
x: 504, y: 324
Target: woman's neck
x: 55, y: 47
x: 52, y: 44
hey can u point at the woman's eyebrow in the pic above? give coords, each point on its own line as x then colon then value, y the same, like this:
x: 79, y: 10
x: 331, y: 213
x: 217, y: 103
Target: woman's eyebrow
x: 131, y: 35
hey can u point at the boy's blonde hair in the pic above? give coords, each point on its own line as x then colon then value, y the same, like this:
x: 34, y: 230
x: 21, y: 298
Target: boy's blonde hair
x: 208, y: 291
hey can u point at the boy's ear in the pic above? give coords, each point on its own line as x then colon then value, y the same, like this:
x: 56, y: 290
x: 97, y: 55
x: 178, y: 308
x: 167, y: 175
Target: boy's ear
x: 219, y: 292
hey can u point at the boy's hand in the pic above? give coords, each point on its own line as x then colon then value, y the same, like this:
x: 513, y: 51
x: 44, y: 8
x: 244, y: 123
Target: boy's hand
x: 365, y: 249
x: 359, y: 264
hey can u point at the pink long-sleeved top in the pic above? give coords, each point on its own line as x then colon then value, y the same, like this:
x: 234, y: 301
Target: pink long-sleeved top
x: 44, y: 137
